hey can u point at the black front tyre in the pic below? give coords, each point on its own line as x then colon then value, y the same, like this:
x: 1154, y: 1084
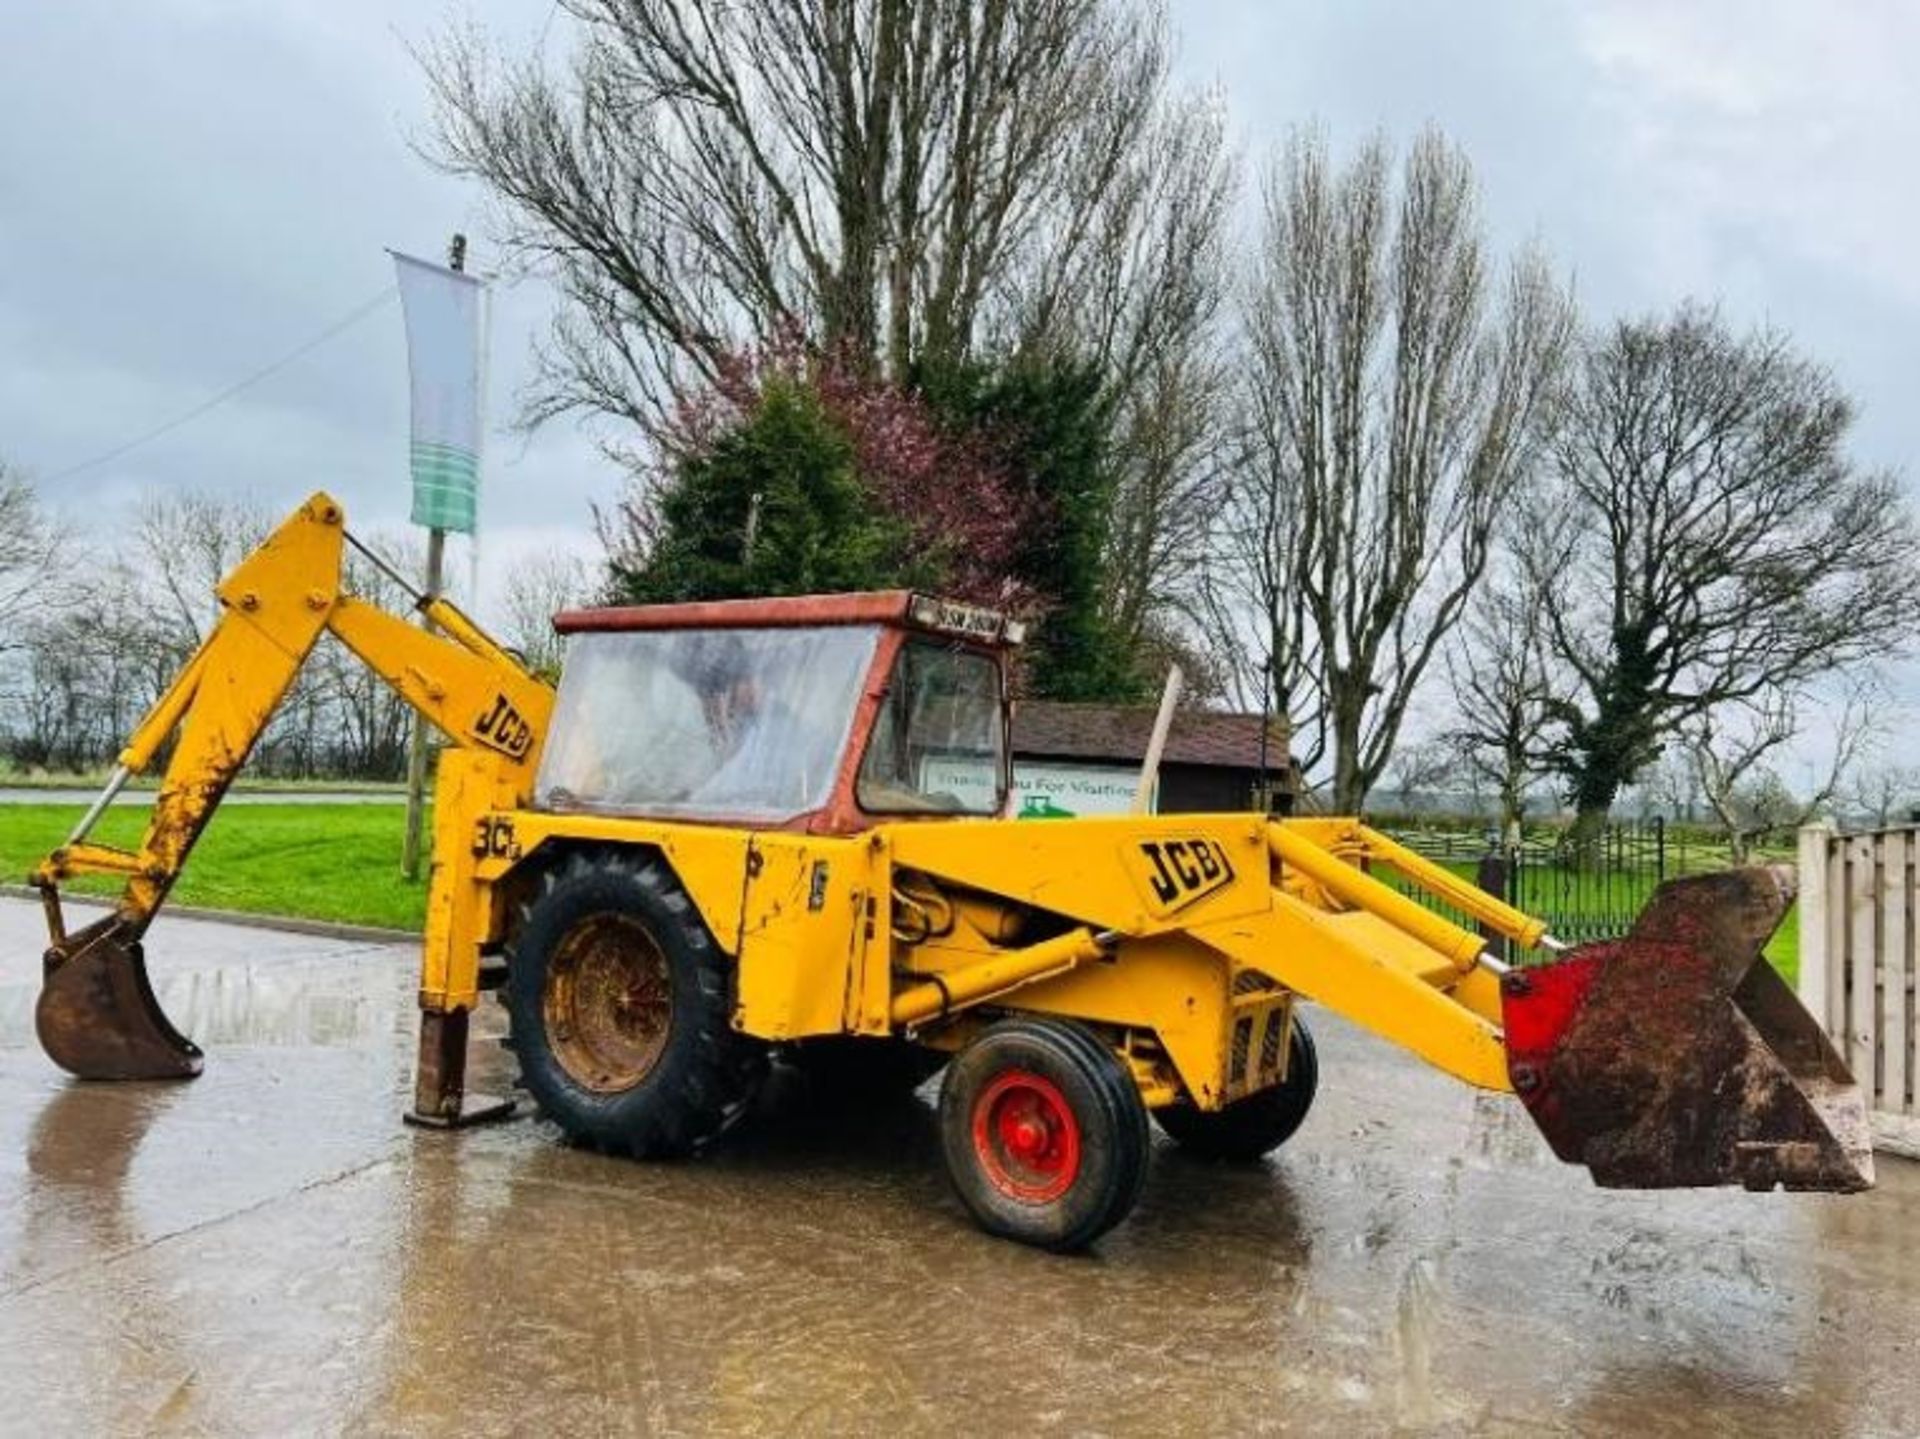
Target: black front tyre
x: 1250, y: 1128
x: 1044, y: 1132
x: 621, y: 1011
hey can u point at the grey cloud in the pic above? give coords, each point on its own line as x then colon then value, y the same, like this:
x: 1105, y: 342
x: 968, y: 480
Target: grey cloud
x: 189, y: 188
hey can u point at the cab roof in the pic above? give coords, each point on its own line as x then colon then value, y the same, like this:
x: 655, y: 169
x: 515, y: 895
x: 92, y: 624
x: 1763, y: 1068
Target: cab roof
x: 903, y: 609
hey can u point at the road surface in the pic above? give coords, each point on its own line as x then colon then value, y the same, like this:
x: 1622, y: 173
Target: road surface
x: 267, y: 1250
x: 13, y: 794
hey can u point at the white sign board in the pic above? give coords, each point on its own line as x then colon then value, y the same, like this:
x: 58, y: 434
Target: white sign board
x: 1040, y: 791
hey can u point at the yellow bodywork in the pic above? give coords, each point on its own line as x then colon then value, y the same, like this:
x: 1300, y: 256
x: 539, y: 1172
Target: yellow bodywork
x: 1186, y: 939
x: 835, y: 936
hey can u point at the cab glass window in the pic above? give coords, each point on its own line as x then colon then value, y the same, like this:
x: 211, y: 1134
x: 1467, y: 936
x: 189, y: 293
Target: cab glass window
x: 938, y: 743
x: 715, y: 723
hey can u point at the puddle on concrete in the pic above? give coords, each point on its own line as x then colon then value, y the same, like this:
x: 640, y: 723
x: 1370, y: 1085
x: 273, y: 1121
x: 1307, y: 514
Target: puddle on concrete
x: 266, y: 1250
x: 1414, y: 1329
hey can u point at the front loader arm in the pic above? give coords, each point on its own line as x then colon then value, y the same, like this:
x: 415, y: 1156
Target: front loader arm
x: 274, y: 607
x: 1673, y: 1055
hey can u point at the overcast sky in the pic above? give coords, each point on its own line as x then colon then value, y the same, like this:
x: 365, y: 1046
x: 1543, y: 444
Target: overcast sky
x: 191, y: 188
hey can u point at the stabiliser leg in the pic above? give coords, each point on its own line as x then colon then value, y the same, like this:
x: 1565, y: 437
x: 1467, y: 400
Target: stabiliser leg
x: 440, y: 1100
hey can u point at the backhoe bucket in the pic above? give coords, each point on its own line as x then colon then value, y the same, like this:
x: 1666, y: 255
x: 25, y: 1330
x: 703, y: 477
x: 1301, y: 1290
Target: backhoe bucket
x: 97, y: 1016
x: 1677, y: 1057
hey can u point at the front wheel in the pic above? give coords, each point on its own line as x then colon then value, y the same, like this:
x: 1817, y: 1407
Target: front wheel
x: 1249, y: 1128
x: 1044, y: 1133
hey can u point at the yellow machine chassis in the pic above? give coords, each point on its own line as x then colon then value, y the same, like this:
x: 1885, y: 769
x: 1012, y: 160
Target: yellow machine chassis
x: 1195, y: 981
x: 1186, y: 939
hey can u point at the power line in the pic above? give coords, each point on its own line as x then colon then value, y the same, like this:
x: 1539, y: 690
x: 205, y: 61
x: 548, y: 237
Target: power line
x: 352, y: 317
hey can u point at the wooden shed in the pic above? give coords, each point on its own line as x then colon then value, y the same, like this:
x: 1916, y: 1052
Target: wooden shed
x: 1081, y: 759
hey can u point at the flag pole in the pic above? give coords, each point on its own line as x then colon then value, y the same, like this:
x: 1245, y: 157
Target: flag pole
x: 417, y: 741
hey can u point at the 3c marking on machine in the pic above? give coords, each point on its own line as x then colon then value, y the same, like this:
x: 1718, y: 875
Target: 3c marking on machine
x: 1180, y: 871
x: 504, y: 728
x: 493, y: 838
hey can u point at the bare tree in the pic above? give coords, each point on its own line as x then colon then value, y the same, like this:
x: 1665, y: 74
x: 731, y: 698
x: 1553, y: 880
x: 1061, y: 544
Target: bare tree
x: 83, y: 676
x: 1504, y: 684
x: 1735, y: 752
x: 1396, y: 399
x: 535, y: 589
x: 1669, y: 787
x: 367, y: 720
x: 1885, y: 793
x: 902, y: 184
x: 183, y: 544
x: 1142, y: 295
x: 33, y: 554
x: 1719, y: 547
x: 1420, y: 769
x: 873, y: 174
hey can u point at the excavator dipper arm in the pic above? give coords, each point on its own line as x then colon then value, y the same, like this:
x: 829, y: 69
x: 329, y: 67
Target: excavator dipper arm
x: 97, y: 1015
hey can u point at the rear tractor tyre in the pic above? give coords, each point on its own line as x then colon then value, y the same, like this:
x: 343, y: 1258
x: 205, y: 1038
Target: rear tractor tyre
x: 1250, y: 1128
x: 1044, y: 1133
x: 621, y: 1011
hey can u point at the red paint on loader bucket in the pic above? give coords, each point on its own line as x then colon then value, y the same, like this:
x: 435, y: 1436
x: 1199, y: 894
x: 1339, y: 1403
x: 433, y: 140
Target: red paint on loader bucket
x: 1678, y: 1057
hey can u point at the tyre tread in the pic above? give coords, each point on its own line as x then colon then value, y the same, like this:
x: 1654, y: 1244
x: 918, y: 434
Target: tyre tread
x: 1118, y: 1121
x: 719, y: 1069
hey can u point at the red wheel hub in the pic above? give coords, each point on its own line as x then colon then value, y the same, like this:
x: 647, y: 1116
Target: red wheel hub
x: 1026, y: 1137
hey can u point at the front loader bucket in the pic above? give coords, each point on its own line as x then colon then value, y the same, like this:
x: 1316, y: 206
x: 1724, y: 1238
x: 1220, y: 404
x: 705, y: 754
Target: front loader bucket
x: 97, y: 1016
x: 1677, y: 1057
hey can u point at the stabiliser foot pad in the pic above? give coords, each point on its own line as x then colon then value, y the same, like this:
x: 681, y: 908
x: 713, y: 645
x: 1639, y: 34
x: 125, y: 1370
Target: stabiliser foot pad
x: 475, y: 1109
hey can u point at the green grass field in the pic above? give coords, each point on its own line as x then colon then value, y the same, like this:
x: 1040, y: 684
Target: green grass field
x: 316, y: 861
x: 1629, y: 892
x: 342, y: 862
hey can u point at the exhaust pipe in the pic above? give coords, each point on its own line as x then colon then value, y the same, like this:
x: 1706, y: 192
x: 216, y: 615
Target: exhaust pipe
x: 1677, y: 1056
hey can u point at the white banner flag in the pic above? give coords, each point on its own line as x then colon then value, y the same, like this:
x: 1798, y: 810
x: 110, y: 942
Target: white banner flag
x: 442, y: 309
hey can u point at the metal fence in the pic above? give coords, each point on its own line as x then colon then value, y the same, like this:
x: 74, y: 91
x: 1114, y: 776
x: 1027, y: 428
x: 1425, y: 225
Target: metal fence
x: 1591, y: 895
x: 1859, y: 959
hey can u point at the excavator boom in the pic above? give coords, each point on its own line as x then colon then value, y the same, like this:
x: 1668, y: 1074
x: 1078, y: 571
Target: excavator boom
x: 97, y: 1016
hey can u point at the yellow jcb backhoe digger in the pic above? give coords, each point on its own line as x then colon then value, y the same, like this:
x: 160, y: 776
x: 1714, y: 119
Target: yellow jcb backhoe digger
x: 770, y: 825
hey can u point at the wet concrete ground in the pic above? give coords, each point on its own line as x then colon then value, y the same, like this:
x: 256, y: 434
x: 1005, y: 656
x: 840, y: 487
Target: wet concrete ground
x: 266, y: 1250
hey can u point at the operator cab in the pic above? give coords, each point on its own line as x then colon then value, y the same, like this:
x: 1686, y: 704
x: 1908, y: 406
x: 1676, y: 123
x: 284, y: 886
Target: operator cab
x: 823, y: 713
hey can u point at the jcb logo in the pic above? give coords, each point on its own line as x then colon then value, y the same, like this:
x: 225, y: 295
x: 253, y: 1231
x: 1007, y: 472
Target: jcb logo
x: 1179, y: 871
x: 501, y: 727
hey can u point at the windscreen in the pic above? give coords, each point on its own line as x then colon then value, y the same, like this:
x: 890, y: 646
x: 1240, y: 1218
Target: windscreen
x: 937, y: 744
x: 703, y: 722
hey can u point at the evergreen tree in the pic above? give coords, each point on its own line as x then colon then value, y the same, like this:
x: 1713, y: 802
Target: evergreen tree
x: 1049, y: 423
x: 773, y: 506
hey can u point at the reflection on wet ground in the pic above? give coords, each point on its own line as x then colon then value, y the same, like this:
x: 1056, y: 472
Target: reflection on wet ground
x: 267, y: 1250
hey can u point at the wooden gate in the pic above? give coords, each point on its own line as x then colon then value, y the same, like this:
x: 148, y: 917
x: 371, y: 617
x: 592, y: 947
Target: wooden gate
x: 1859, y: 956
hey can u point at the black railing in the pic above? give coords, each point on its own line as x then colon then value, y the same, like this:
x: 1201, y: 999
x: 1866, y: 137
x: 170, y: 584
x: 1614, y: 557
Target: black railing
x: 1584, y: 893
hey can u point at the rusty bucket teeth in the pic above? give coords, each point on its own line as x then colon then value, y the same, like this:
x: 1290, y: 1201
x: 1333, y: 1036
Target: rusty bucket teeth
x: 97, y: 1017
x: 1678, y: 1057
